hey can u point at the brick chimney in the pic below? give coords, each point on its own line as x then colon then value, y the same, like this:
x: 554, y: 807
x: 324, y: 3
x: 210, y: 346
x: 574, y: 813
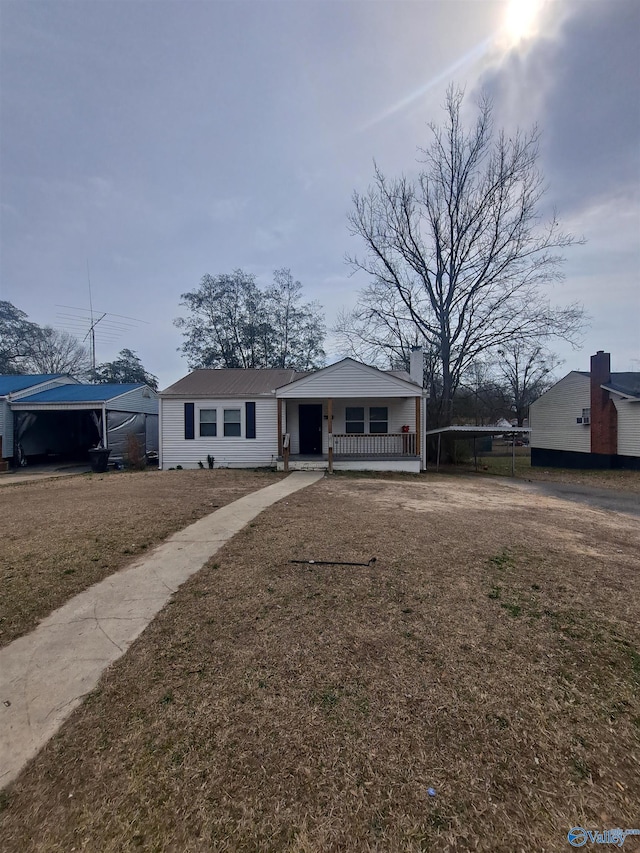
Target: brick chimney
x: 604, y: 415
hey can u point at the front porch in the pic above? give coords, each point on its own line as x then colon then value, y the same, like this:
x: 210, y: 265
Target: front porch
x: 374, y: 452
x: 349, y: 416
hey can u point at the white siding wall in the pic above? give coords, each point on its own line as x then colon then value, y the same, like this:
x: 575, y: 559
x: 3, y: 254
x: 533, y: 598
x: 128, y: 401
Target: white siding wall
x: 400, y: 412
x: 135, y: 401
x: 347, y: 379
x: 552, y: 417
x: 628, y: 427
x: 228, y: 452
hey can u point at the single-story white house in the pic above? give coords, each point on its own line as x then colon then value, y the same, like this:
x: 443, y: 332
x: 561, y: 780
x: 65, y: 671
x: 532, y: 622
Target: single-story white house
x: 56, y: 416
x: 348, y: 415
x: 588, y: 420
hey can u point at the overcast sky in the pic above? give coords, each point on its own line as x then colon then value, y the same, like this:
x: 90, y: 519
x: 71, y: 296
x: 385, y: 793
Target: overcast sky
x: 161, y: 141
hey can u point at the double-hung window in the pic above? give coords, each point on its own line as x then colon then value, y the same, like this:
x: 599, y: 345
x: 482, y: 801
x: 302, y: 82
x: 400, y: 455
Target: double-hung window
x: 378, y: 419
x: 208, y: 422
x: 354, y: 419
x: 232, y: 422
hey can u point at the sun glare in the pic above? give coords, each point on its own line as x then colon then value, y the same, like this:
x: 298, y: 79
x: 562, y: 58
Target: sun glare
x: 521, y: 21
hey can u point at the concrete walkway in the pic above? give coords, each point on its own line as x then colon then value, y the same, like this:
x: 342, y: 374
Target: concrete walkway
x: 45, y: 675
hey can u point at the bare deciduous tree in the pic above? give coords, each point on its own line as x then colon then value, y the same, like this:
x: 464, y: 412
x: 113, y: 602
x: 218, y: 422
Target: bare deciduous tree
x: 525, y: 371
x: 55, y: 351
x: 461, y: 252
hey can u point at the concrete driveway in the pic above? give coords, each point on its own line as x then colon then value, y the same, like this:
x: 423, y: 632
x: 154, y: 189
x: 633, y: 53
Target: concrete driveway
x: 32, y: 473
x: 606, y: 499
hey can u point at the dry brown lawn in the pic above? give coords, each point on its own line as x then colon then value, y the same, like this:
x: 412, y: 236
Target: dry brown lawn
x: 60, y: 536
x: 491, y: 652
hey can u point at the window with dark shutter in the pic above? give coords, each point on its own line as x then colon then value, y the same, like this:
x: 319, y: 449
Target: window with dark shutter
x: 250, y: 420
x: 232, y: 423
x: 189, y: 425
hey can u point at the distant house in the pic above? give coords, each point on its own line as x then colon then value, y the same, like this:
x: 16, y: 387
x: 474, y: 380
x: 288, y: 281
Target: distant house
x: 55, y: 416
x: 345, y: 416
x: 588, y: 420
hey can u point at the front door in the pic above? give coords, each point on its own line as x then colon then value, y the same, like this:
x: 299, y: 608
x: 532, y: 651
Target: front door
x: 310, y: 426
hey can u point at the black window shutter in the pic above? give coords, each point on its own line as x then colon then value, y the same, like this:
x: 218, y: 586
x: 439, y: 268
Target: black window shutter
x: 250, y: 420
x: 189, y: 426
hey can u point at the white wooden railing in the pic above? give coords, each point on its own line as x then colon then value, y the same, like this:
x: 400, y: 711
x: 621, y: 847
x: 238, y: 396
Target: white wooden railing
x: 378, y: 444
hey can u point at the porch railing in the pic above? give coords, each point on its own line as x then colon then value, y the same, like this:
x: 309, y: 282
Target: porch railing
x: 378, y: 444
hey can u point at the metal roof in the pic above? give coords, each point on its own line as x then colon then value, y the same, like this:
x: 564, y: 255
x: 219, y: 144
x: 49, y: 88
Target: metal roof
x: 10, y: 383
x: 231, y: 382
x: 626, y: 384
x: 471, y: 431
x: 246, y: 382
x: 81, y: 393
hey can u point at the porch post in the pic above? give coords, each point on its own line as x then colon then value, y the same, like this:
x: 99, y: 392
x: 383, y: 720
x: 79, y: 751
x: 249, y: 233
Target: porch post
x: 279, y: 403
x: 418, y: 424
x: 330, y: 434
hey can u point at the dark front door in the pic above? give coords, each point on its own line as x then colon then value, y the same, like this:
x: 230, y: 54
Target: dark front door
x: 310, y: 426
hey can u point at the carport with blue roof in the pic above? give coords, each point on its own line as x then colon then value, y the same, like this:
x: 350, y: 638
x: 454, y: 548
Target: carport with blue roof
x: 13, y: 386
x: 65, y: 421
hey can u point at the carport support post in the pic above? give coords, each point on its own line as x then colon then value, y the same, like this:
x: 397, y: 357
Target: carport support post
x: 330, y: 434
x: 513, y: 455
x: 438, y: 453
x: 104, y: 427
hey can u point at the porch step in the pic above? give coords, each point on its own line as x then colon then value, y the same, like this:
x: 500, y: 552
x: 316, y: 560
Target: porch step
x: 304, y: 465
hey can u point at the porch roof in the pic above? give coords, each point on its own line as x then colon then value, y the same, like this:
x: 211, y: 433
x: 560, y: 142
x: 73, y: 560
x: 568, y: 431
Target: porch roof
x: 349, y: 379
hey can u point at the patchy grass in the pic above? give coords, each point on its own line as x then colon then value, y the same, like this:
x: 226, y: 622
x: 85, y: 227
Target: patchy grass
x: 62, y: 535
x: 278, y: 707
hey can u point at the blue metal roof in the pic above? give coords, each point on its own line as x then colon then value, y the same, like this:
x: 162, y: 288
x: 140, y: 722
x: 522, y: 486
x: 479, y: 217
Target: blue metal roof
x: 81, y: 393
x: 9, y: 383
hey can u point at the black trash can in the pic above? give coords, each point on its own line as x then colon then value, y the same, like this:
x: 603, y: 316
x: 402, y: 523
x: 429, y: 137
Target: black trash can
x: 98, y: 459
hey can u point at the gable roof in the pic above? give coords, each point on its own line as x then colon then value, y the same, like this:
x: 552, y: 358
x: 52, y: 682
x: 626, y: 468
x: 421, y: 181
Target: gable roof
x: 230, y: 382
x: 350, y: 378
x: 81, y: 393
x: 10, y: 383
